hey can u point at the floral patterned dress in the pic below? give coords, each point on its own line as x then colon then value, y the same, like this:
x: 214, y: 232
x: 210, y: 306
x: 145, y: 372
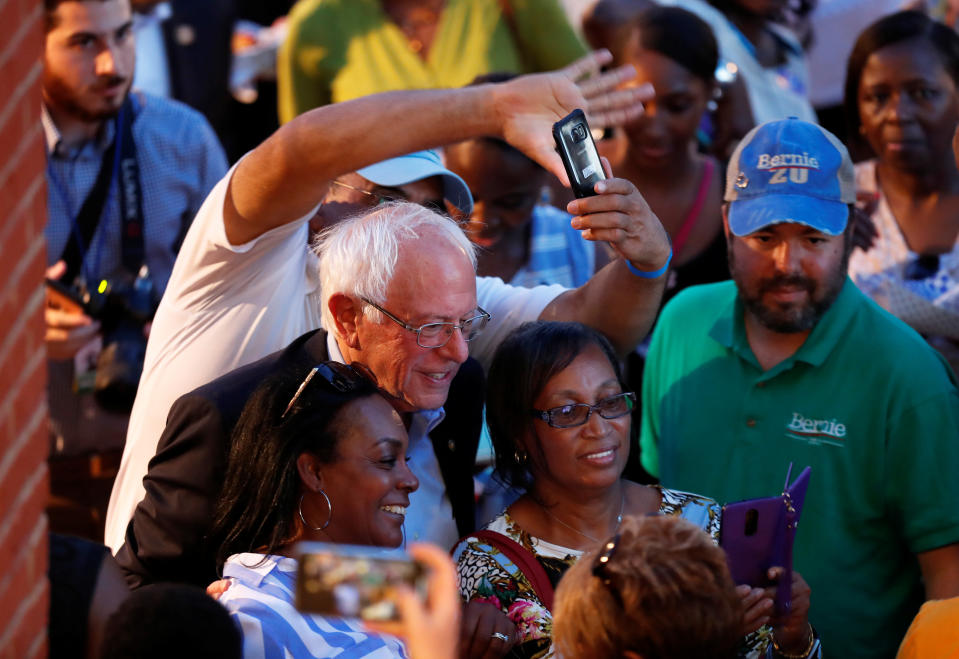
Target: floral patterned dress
x: 486, y: 575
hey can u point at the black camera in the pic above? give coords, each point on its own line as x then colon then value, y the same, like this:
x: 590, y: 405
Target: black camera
x: 123, y: 306
x: 578, y: 132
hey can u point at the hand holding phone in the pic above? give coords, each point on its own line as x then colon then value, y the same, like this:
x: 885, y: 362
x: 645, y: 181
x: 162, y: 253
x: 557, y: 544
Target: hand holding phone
x: 758, y: 534
x: 352, y: 581
x: 430, y: 627
x: 60, y: 296
x: 68, y: 327
x: 576, y: 148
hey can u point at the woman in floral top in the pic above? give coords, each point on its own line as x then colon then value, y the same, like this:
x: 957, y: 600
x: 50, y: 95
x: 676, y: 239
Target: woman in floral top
x: 559, y: 419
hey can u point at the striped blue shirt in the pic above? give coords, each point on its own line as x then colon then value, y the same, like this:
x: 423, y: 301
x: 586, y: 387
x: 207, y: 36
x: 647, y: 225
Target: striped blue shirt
x: 558, y: 253
x: 260, y: 599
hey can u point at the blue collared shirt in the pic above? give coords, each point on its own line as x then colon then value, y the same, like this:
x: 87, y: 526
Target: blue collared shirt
x: 180, y: 160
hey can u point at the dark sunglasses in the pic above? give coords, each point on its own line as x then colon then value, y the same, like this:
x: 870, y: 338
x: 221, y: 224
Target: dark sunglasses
x: 340, y: 377
x: 604, y: 557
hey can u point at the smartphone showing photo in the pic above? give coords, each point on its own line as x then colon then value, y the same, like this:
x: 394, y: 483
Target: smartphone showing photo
x: 352, y: 581
x: 575, y: 145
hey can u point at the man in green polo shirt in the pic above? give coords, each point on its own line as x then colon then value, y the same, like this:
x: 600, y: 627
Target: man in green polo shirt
x: 791, y: 363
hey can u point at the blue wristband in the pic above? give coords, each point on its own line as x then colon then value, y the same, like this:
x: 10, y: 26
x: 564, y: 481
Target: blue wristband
x: 654, y: 274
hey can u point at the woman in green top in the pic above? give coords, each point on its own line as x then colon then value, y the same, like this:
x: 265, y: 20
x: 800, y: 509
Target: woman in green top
x: 342, y: 49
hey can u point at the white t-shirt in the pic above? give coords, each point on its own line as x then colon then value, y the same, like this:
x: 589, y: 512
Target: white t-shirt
x: 229, y: 305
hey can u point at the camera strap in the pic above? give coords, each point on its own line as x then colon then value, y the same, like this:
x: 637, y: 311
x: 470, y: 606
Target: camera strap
x: 131, y: 197
x: 119, y: 159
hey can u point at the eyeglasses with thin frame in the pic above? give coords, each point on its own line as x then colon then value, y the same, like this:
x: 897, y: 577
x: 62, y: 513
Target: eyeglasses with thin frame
x: 379, y: 199
x: 341, y: 377
x: 437, y: 205
x: 436, y: 335
x: 576, y: 414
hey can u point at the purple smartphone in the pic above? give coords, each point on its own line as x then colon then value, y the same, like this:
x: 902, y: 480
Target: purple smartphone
x: 758, y: 534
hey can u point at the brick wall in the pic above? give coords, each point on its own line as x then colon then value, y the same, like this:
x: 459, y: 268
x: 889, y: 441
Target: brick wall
x: 23, y: 412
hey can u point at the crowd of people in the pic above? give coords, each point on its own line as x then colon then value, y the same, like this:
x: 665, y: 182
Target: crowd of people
x: 313, y: 341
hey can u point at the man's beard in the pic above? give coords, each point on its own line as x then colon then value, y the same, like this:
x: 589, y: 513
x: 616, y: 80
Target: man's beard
x: 792, y: 318
x: 63, y: 97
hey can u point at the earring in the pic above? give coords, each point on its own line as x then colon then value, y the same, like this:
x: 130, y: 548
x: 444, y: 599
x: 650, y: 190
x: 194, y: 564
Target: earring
x: 520, y: 457
x: 307, y: 524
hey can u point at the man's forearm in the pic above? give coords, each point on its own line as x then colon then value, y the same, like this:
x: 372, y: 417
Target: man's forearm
x: 615, y: 302
x: 285, y: 177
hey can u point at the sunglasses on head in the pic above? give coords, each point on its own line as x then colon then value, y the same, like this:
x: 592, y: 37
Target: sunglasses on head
x: 339, y: 377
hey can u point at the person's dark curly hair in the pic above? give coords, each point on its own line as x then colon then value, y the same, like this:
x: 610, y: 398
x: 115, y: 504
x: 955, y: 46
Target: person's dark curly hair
x: 256, y: 509
x: 524, y: 362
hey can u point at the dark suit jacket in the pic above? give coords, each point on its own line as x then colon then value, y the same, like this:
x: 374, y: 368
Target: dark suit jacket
x: 197, y: 38
x: 167, y: 538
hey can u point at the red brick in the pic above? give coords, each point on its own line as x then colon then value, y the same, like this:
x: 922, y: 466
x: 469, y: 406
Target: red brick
x: 24, y: 486
x: 31, y: 619
x: 20, y: 180
x: 22, y: 516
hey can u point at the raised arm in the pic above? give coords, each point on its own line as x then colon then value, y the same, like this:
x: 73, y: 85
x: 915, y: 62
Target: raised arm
x: 620, y: 300
x: 285, y: 177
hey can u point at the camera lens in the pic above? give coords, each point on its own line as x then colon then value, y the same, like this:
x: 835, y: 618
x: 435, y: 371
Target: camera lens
x: 579, y: 133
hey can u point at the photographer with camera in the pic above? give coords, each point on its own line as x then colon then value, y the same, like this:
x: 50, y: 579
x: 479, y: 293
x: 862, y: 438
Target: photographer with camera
x: 126, y: 172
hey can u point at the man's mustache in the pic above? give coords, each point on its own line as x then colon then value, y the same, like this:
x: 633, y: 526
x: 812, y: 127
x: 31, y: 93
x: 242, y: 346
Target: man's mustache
x: 797, y: 281
x: 110, y: 81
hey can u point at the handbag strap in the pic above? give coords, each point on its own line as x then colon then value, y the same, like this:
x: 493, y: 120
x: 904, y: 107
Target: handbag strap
x: 524, y: 560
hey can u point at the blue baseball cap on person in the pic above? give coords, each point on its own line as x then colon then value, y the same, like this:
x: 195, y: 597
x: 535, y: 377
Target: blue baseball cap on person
x: 415, y: 167
x: 789, y: 171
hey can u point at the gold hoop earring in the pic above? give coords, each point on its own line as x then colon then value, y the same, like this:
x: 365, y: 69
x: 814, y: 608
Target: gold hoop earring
x: 328, y: 519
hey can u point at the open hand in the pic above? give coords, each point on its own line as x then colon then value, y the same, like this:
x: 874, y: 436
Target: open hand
x: 528, y: 106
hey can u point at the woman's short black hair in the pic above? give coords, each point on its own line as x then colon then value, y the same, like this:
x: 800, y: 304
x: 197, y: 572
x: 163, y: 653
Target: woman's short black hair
x: 256, y: 509
x: 889, y: 30
x: 681, y: 36
x: 526, y: 360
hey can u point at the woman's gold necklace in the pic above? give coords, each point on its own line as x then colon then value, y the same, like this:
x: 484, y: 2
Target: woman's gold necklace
x: 619, y: 519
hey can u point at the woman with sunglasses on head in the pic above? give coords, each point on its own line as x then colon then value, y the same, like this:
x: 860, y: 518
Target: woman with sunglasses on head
x: 321, y: 458
x: 559, y: 418
x: 902, y: 99
x: 658, y: 589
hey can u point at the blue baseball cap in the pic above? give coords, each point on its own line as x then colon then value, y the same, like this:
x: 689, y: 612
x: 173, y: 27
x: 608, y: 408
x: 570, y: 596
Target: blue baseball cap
x: 415, y: 167
x: 789, y: 171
